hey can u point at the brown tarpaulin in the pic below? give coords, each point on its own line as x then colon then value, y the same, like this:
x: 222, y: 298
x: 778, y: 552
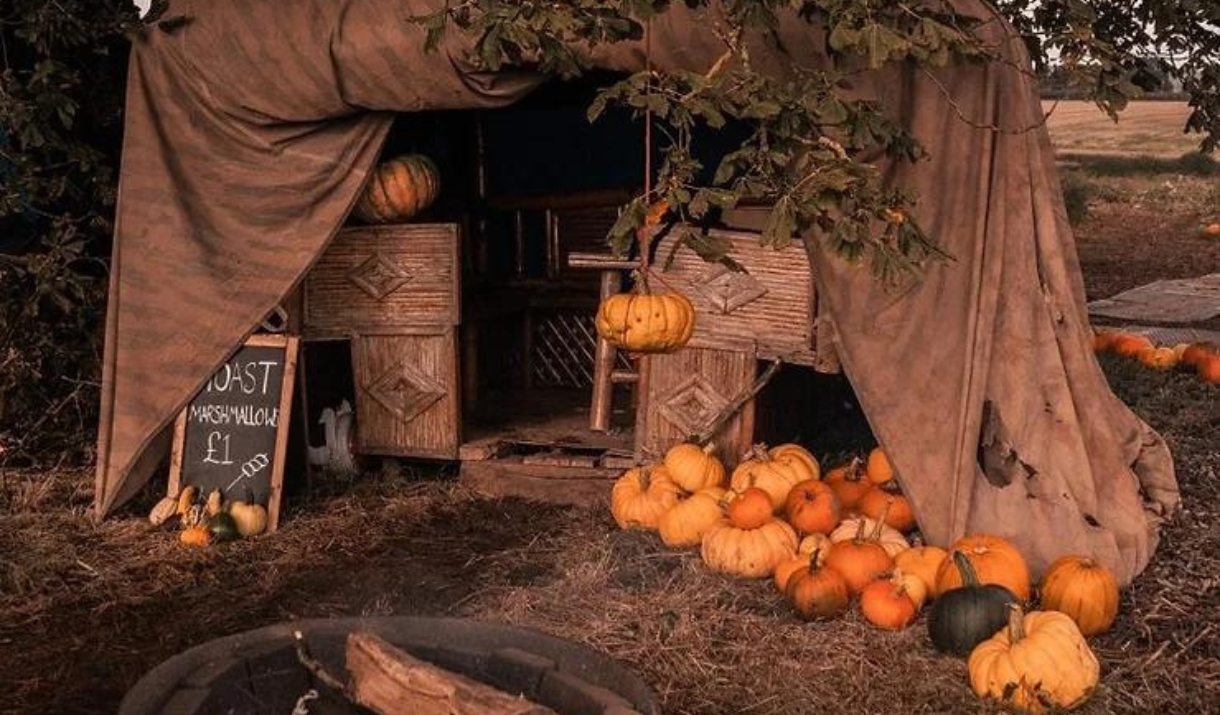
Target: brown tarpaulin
x: 250, y: 130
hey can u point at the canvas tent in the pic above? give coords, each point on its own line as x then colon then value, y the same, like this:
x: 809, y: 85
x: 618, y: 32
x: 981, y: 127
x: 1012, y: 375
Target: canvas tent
x: 251, y: 127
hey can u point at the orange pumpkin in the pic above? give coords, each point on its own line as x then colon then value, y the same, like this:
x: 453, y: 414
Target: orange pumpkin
x: 813, y: 549
x: 818, y: 592
x: 879, y: 469
x: 886, y: 605
x: 750, y: 509
x: 771, y: 475
x: 797, y: 457
x: 685, y: 523
x: 1208, y: 368
x: 693, y: 467
x: 1211, y: 230
x: 646, y: 322
x: 812, y: 507
x: 1084, y: 590
x: 1195, y: 352
x: 399, y: 189
x: 641, y: 496
x: 1130, y: 344
x: 994, y: 559
x: 899, y: 516
x: 197, y: 535
x: 860, y: 560
x: 850, y: 483
x: 1158, y: 358
x: 922, y: 561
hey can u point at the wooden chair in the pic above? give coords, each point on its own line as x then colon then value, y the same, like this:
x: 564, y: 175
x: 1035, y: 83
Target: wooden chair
x: 605, y: 377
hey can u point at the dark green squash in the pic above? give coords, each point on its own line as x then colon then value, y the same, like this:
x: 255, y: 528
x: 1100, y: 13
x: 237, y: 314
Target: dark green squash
x: 961, y: 618
x: 223, y: 527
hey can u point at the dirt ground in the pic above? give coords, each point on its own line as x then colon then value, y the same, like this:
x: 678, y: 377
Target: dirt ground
x: 86, y: 609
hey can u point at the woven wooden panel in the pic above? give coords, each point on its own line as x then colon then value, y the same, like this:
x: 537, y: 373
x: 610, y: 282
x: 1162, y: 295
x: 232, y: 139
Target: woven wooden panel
x: 406, y: 394
x: 684, y: 393
x: 767, y: 312
x: 384, y: 276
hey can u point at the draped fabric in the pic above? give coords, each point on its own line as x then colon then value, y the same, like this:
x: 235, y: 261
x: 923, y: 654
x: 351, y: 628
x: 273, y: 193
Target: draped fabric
x: 250, y: 130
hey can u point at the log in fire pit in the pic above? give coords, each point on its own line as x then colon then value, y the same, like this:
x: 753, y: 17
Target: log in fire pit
x: 258, y: 672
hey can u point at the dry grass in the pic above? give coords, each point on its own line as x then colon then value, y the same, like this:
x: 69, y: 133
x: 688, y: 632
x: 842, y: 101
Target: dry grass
x: 71, y: 591
x: 1145, y: 128
x: 85, y: 609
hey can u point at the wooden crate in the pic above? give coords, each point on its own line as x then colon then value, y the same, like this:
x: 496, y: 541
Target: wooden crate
x: 683, y: 392
x: 380, y: 277
x: 407, y: 399
x: 767, y: 312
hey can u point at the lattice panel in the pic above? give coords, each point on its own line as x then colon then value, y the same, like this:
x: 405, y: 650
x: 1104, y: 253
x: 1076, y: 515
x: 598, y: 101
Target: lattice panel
x: 563, y: 350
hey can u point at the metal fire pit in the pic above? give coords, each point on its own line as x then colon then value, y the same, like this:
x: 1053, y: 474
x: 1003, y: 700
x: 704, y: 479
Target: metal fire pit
x: 257, y: 673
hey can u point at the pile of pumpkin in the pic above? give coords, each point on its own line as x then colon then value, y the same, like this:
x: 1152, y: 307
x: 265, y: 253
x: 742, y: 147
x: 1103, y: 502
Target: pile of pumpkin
x: 1201, y: 358
x: 825, y: 542
x: 203, y: 522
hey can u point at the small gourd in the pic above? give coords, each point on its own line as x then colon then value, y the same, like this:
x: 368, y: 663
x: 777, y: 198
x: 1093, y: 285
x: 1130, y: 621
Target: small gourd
x: 197, y: 535
x: 251, y: 519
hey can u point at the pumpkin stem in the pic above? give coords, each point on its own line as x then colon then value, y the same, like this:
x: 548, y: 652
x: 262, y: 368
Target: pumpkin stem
x: 859, y: 537
x: 876, y: 535
x: 1016, y: 623
x: 709, y: 448
x: 969, y: 576
x: 759, y: 452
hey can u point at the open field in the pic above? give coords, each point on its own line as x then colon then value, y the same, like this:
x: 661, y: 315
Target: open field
x: 86, y: 609
x: 1145, y: 128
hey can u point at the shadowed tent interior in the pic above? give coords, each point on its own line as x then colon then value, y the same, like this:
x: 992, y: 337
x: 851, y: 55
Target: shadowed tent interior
x: 244, y: 153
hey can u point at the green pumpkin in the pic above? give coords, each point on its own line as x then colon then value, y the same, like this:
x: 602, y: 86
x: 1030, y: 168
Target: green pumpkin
x: 223, y: 527
x: 961, y: 618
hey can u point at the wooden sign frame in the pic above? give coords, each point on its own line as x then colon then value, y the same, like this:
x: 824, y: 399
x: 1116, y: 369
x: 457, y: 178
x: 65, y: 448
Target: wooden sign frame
x: 290, y: 344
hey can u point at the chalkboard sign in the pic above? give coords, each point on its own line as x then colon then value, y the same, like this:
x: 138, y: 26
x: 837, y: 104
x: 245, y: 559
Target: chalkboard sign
x: 233, y: 434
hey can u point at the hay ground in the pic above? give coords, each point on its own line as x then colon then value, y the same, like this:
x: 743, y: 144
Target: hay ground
x: 86, y: 609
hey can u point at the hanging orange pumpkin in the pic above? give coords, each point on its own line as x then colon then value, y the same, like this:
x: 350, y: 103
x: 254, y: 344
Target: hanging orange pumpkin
x: 994, y: 559
x: 398, y: 189
x: 646, y: 322
x: 1084, y: 590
